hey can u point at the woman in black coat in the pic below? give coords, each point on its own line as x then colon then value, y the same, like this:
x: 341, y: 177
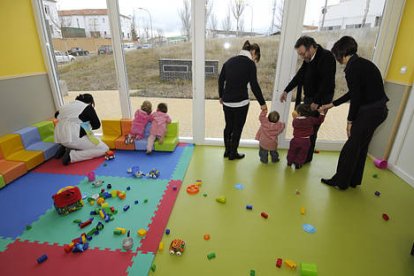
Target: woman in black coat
x: 236, y: 73
x: 367, y: 111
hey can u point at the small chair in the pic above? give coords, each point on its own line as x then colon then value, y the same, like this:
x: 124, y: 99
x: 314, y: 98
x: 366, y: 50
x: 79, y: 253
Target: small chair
x: 111, y: 130
x: 125, y: 130
x: 142, y: 143
x: 11, y: 148
x: 31, y: 141
x: 2, y: 182
x: 46, y: 131
x: 170, y: 139
x: 10, y: 170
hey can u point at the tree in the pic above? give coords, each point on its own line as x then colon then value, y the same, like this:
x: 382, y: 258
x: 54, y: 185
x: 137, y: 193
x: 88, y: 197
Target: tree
x: 364, y: 19
x: 134, y: 34
x: 213, y: 24
x: 226, y: 23
x: 237, y: 8
x: 277, y: 16
x: 185, y: 17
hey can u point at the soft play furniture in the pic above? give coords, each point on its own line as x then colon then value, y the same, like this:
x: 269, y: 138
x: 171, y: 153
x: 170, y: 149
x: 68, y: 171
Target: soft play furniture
x: 111, y: 130
x: 125, y: 130
x: 11, y: 149
x: 31, y: 141
x: 46, y: 131
x: 2, y: 183
x: 10, y: 170
x: 170, y: 140
x: 308, y: 269
x: 142, y: 143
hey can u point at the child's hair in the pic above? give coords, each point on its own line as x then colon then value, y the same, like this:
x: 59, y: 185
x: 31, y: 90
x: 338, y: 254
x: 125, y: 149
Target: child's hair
x: 304, y: 110
x: 146, y: 106
x: 273, y: 117
x: 162, y: 107
x: 86, y: 98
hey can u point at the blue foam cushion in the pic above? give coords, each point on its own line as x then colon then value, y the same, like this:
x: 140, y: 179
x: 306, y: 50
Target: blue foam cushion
x: 49, y: 149
x: 29, y: 136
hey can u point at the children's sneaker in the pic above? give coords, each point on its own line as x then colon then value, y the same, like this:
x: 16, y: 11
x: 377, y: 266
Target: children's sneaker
x: 275, y: 160
x: 264, y: 160
x: 297, y: 166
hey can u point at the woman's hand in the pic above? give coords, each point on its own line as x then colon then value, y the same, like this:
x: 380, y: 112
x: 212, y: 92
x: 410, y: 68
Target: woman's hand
x: 325, y: 107
x: 348, y: 128
x: 263, y: 107
x: 283, y: 97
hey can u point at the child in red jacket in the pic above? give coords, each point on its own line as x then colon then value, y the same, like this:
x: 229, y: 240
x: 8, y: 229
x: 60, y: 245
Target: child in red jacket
x: 303, y: 122
x: 269, y: 130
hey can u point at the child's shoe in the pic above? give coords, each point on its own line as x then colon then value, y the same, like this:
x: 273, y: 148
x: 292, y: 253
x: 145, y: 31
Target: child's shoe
x: 298, y: 166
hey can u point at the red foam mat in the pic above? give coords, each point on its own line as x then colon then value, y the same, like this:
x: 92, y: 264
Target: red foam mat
x: 20, y: 258
x: 79, y: 168
x: 152, y: 240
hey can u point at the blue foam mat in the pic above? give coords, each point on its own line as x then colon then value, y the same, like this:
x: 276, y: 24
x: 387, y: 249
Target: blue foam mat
x: 141, y: 264
x: 165, y: 162
x: 28, y: 197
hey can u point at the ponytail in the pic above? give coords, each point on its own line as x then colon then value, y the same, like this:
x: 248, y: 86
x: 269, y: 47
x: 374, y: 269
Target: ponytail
x: 246, y: 46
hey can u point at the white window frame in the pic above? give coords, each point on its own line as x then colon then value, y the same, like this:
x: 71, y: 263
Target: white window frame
x: 293, y: 13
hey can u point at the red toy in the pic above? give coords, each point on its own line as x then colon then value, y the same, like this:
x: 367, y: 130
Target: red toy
x: 177, y: 247
x: 67, y: 200
x: 279, y: 262
x: 109, y: 155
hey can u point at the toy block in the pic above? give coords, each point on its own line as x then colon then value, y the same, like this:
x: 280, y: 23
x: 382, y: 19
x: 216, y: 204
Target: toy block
x: 291, y: 264
x: 46, y: 130
x: 170, y: 140
x: 308, y: 269
x: 125, y: 130
x: 111, y: 130
x: 11, y: 148
x: 2, y: 182
x: 10, y: 170
x: 31, y: 141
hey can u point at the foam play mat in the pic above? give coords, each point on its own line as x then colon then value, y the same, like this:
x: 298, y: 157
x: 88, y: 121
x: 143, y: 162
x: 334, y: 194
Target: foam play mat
x: 131, y: 208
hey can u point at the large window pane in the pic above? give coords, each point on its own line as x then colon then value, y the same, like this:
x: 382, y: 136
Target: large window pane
x: 356, y: 18
x: 81, y: 38
x: 158, y: 56
x: 229, y: 24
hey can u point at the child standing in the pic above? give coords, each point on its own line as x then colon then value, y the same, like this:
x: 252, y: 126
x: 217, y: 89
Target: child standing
x: 160, y: 119
x: 303, y: 122
x: 269, y: 130
x: 141, y: 118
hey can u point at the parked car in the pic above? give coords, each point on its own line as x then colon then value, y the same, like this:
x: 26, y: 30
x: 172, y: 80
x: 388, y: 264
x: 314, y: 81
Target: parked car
x: 128, y: 46
x: 62, y: 57
x: 76, y: 51
x: 105, y: 50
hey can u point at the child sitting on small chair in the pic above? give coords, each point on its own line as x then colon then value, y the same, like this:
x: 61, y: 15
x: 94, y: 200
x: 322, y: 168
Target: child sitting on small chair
x: 160, y: 119
x: 269, y: 130
x: 303, y: 122
x: 141, y: 118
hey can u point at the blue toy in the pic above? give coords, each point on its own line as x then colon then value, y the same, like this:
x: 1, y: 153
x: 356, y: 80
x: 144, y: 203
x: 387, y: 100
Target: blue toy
x: 154, y: 173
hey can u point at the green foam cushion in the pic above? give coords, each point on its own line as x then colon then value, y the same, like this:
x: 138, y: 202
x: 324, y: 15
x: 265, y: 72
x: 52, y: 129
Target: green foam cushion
x: 46, y: 131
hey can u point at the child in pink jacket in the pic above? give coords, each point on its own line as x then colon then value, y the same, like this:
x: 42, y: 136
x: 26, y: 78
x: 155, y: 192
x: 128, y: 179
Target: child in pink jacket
x: 141, y: 118
x: 269, y: 130
x: 160, y: 119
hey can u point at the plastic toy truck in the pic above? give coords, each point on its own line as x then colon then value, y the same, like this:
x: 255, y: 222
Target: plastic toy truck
x: 67, y: 200
x: 177, y: 247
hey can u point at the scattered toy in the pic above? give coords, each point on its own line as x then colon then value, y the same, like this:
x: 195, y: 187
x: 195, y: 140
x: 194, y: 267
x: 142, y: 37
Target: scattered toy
x: 221, y: 199
x: 385, y: 217
x: 192, y: 189
x: 128, y: 242
x: 279, y: 262
x: 109, y: 155
x: 308, y: 228
x: 377, y: 193
x: 264, y: 215
x: 249, y: 207
x: 41, y: 259
x: 177, y: 247
x: 167, y: 231
x: 67, y: 200
x: 154, y: 173
x: 211, y: 255
x: 91, y: 176
x: 206, y: 237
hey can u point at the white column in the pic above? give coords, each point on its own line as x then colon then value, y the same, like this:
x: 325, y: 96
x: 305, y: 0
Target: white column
x: 292, y: 25
x: 120, y: 68
x: 198, y: 69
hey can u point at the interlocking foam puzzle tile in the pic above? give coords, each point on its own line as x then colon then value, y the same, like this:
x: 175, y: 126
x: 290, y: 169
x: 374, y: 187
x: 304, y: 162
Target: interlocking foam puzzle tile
x: 53, y: 228
x: 79, y: 168
x: 20, y: 258
x: 165, y: 162
x: 141, y: 264
x: 184, y: 161
x: 151, y: 241
x: 28, y: 197
x: 4, y: 242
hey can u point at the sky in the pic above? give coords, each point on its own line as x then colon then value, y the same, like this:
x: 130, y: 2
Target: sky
x: 164, y: 13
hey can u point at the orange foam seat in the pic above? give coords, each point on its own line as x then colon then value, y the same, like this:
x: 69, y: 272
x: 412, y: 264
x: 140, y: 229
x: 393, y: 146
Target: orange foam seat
x: 125, y: 130
x: 10, y: 170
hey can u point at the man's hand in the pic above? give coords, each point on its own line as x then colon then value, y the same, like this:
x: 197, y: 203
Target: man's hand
x: 324, y: 108
x: 263, y: 107
x: 221, y: 101
x: 283, y: 97
x: 348, y: 129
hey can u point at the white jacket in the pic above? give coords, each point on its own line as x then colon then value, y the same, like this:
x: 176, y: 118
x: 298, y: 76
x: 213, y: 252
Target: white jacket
x: 68, y: 127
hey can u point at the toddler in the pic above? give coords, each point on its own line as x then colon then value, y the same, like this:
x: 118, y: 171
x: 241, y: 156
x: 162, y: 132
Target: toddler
x: 141, y: 118
x: 303, y: 122
x: 269, y: 130
x: 159, y: 119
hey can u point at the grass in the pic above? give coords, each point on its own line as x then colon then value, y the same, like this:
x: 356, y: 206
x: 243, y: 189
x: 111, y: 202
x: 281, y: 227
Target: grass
x: 98, y: 72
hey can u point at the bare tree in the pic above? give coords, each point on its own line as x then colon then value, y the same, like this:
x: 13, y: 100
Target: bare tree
x: 226, y: 23
x: 185, y: 17
x: 277, y: 16
x: 209, y: 9
x: 213, y: 24
x: 134, y: 34
x: 364, y: 19
x: 237, y: 8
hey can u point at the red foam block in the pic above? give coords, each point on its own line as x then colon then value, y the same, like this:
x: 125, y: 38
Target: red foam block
x: 20, y: 258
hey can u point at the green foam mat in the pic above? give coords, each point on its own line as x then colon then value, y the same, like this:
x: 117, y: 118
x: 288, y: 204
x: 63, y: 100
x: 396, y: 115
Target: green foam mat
x: 4, y: 242
x: 141, y: 264
x: 52, y: 228
x: 183, y: 163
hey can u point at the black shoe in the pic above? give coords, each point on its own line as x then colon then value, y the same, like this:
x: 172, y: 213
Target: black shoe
x: 226, y: 154
x: 275, y: 160
x: 263, y: 160
x: 60, y: 152
x: 297, y: 166
x: 236, y: 155
x: 331, y: 183
x: 66, y: 157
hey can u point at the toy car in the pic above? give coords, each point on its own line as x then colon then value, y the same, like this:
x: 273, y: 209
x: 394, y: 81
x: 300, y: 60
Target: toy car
x: 177, y: 247
x: 109, y: 155
x: 67, y: 200
x: 154, y: 173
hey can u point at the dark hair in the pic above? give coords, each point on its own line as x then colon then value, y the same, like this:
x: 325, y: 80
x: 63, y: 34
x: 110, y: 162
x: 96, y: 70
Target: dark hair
x: 273, y: 117
x: 304, y: 110
x: 162, y: 107
x: 86, y: 98
x: 305, y: 41
x: 252, y: 47
x: 345, y: 46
